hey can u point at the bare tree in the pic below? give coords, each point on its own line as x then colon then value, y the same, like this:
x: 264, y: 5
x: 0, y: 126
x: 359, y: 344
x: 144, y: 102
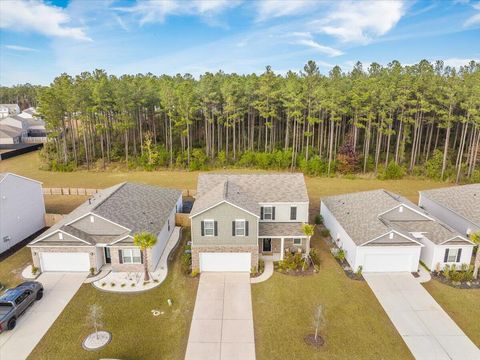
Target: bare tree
x: 319, y: 320
x: 94, y: 317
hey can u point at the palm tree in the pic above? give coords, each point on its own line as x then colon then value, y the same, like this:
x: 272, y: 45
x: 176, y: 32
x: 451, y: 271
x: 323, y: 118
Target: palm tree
x: 308, y: 230
x: 144, y: 241
x: 475, y: 237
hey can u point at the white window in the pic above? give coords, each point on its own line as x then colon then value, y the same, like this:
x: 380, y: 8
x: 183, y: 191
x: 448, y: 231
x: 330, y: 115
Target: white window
x: 209, y: 227
x: 297, y: 241
x: 267, y: 212
x: 239, y: 227
x: 131, y: 256
x: 452, y: 255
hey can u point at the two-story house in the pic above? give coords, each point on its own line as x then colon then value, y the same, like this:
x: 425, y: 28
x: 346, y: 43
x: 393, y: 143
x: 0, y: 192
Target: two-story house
x: 236, y: 219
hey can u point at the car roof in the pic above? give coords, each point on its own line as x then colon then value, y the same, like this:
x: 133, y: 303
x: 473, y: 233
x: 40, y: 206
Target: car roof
x: 12, y: 294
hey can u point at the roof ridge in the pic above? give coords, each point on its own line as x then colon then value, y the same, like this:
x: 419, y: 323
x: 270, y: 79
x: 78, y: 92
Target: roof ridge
x: 109, y: 196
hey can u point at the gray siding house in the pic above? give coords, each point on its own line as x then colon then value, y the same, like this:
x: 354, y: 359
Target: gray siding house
x: 237, y: 219
x: 457, y: 206
x: 99, y: 233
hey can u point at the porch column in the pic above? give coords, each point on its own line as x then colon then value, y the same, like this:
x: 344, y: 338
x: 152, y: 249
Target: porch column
x: 281, y: 248
x: 307, y: 247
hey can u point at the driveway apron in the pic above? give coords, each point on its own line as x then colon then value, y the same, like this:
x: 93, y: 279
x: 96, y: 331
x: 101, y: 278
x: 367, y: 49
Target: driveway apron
x: 222, y: 323
x: 59, y: 288
x: 426, y: 328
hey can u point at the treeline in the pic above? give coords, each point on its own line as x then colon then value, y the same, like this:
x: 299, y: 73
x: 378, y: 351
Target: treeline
x: 24, y: 95
x: 421, y: 119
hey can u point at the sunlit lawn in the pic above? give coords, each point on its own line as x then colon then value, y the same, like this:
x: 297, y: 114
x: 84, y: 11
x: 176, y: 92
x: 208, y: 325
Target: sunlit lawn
x: 11, y: 267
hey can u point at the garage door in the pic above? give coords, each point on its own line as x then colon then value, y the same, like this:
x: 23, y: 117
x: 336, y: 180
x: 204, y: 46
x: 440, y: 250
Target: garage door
x: 238, y: 262
x: 387, y: 262
x: 64, y: 261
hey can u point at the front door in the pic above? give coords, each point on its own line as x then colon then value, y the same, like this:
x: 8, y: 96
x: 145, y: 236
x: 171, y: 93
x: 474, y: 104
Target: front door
x: 108, y: 259
x: 267, y: 245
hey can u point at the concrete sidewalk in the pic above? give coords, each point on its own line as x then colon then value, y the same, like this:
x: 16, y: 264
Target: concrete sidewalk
x: 59, y: 288
x: 222, y: 324
x: 426, y: 328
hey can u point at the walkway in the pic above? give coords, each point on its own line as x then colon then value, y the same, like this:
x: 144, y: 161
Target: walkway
x: 59, y: 289
x: 222, y: 324
x: 426, y: 328
x: 267, y: 273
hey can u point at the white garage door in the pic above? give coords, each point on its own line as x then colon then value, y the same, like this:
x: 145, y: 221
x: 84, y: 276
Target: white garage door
x: 63, y: 261
x: 387, y: 262
x: 238, y: 262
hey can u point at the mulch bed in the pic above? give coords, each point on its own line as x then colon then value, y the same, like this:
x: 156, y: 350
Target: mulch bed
x: 474, y: 284
x: 310, y: 340
x: 308, y: 272
x: 348, y: 271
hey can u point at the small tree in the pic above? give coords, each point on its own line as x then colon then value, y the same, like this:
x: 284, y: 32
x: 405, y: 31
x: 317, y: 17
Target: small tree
x: 319, y: 320
x: 475, y: 237
x: 144, y: 241
x: 308, y: 230
x: 94, y: 317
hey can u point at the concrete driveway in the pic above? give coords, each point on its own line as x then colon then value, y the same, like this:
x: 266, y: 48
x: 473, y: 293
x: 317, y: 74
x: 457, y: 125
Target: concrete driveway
x: 222, y: 323
x: 426, y: 328
x: 59, y: 288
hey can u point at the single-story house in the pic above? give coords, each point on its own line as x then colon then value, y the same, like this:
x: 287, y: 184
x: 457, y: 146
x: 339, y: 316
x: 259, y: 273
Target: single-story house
x: 22, y: 210
x: 456, y: 206
x: 99, y: 233
x: 384, y: 232
x: 237, y: 219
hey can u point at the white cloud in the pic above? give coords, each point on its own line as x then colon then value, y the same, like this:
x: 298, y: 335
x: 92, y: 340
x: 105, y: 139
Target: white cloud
x: 457, y: 62
x: 360, y: 21
x: 36, y: 16
x: 268, y: 9
x: 305, y: 38
x: 20, y: 48
x: 473, y: 20
x: 151, y: 11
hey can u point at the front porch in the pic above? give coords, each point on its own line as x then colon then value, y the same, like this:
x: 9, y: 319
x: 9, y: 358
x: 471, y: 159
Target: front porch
x: 274, y: 248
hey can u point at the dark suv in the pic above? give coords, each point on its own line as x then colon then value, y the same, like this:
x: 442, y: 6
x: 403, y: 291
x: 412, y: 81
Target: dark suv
x: 15, y: 301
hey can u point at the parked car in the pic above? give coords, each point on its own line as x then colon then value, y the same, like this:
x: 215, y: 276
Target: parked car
x: 16, y: 301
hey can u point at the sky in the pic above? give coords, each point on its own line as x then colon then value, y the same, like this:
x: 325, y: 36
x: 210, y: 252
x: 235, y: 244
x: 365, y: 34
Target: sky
x: 40, y: 39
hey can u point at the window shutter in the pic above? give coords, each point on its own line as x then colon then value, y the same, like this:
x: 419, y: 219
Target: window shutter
x: 261, y: 213
x: 215, y: 228
x: 203, y: 228
x: 445, y: 259
x: 293, y: 213
x: 233, y: 228
x: 459, y: 255
x: 120, y: 257
x: 273, y: 212
x: 141, y: 257
x: 246, y: 228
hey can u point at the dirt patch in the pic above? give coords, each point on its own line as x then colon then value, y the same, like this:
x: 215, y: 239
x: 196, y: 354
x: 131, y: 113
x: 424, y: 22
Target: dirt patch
x: 310, y: 340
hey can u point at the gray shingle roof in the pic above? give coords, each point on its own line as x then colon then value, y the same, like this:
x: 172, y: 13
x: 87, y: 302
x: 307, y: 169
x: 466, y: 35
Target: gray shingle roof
x: 284, y: 229
x: 134, y: 206
x: 463, y: 200
x: 370, y: 214
x: 248, y: 190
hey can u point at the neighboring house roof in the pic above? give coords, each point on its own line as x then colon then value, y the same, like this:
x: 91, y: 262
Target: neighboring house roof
x: 131, y: 208
x: 248, y: 191
x: 283, y: 229
x: 7, y: 131
x: 463, y: 200
x: 368, y: 216
x: 3, y: 175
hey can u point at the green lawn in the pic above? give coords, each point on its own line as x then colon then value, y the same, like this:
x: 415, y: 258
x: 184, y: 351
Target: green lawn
x: 356, y: 325
x: 461, y: 304
x: 137, y: 334
x: 11, y: 267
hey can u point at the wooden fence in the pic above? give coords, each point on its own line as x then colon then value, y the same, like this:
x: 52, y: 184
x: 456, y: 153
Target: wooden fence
x: 182, y: 219
x: 70, y: 191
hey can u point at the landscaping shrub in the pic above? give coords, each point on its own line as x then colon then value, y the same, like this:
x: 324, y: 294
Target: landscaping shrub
x: 186, y: 262
x: 325, y: 232
x: 318, y: 219
x: 340, y: 255
x: 291, y: 262
x: 315, y: 257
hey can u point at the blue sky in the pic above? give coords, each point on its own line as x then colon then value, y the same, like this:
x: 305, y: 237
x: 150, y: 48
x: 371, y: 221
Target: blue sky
x: 41, y: 39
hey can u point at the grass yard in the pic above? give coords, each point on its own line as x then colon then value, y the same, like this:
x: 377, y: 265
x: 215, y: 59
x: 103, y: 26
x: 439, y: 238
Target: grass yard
x: 11, y: 267
x: 356, y: 325
x: 462, y: 305
x: 63, y: 204
x: 136, y: 333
